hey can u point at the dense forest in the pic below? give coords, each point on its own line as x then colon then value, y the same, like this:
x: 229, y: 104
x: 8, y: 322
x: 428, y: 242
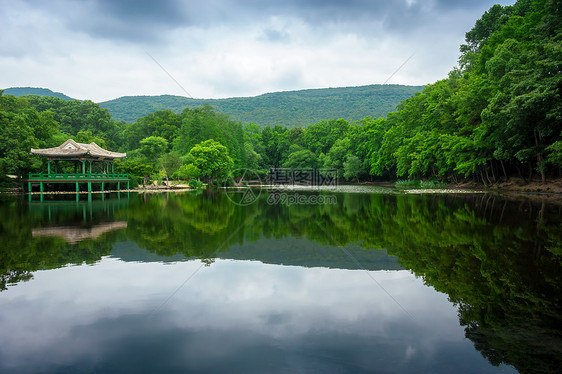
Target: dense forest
x: 498, y: 115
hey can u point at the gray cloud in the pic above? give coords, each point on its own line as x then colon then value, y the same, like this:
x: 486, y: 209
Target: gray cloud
x: 148, y: 20
x: 96, y: 49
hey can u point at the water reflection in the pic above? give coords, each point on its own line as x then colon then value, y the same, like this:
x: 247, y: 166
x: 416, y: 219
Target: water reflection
x: 497, y: 259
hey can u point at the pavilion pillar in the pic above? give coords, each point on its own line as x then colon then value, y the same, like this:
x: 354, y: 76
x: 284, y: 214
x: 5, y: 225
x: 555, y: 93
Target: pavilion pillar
x: 90, y: 166
x: 41, y: 186
x: 102, y: 186
x: 29, y: 187
x: 49, y: 167
x: 89, y: 186
x: 83, y: 166
x: 77, y: 187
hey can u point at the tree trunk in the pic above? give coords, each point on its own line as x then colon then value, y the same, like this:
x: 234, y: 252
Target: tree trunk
x: 541, y: 167
x: 165, y: 173
x: 520, y: 173
x: 503, y: 168
x: 487, y: 176
x: 538, y: 142
x: 493, y: 173
x: 482, y: 176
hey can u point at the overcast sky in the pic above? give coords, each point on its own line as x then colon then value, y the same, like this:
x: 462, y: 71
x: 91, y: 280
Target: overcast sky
x: 104, y: 49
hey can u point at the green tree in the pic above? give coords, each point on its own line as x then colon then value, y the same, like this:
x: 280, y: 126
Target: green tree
x: 153, y: 147
x: 211, y: 157
x: 301, y: 159
x: 352, y: 167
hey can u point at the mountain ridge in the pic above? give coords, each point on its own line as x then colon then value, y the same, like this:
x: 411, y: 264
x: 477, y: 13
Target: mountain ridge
x: 23, y: 91
x: 296, y: 108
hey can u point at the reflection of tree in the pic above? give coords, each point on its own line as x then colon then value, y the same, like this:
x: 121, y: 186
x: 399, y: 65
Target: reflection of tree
x: 502, y: 271
x: 22, y: 253
x: 196, y: 226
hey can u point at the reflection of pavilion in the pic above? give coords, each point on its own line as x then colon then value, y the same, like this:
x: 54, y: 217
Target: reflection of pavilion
x: 75, y: 234
x: 92, y: 164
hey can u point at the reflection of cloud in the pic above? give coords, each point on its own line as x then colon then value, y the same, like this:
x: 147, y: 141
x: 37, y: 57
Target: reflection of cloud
x: 233, y: 316
x: 74, y: 234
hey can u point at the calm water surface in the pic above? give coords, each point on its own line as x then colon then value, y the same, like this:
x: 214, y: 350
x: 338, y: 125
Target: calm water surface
x: 368, y: 282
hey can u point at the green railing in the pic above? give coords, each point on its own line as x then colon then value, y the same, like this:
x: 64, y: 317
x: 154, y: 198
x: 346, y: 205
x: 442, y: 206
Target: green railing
x: 76, y: 176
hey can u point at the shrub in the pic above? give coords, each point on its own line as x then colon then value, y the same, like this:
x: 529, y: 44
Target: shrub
x: 412, y: 183
x: 194, y: 183
x: 416, y: 183
x: 432, y: 184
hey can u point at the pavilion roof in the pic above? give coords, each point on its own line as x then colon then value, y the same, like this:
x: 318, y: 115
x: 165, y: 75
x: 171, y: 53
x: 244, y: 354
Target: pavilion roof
x: 72, y: 149
x: 75, y: 234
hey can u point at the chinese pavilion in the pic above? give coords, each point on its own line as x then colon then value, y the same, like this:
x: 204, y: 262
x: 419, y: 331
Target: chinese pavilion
x: 92, y: 165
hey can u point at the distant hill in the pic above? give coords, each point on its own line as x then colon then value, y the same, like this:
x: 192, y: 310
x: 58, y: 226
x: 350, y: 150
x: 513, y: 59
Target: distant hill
x: 22, y: 91
x: 289, y: 108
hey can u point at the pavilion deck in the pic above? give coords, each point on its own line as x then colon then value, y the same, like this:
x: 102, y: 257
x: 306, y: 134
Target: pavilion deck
x: 77, y: 178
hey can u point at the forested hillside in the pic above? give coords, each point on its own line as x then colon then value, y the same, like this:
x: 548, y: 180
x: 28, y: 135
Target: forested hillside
x: 22, y: 91
x: 291, y: 108
x: 497, y: 116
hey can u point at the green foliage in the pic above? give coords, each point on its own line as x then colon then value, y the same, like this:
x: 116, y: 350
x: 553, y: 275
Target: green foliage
x: 86, y: 136
x: 153, y: 147
x: 301, y: 159
x: 136, y: 168
x: 189, y: 171
x: 352, y: 167
x: 22, y: 128
x: 555, y: 153
x: 201, y: 124
x: 74, y: 116
x: 430, y: 184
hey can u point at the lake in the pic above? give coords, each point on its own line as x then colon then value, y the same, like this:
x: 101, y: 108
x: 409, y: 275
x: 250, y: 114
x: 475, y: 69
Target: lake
x: 346, y: 281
